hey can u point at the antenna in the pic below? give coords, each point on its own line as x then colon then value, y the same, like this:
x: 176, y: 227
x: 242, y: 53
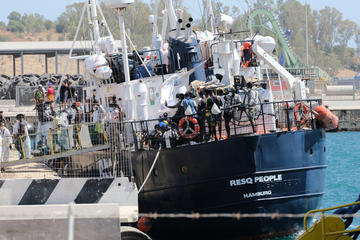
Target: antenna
x: 120, y: 6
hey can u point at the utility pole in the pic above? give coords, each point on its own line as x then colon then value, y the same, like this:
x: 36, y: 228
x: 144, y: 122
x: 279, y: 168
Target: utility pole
x: 306, y: 34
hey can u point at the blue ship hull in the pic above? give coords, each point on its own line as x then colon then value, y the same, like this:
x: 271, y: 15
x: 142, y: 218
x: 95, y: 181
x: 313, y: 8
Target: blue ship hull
x: 270, y: 173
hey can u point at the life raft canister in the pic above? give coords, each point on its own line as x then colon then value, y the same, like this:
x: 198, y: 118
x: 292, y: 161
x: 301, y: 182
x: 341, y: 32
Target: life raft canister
x: 188, y: 132
x: 328, y: 120
x: 301, y: 113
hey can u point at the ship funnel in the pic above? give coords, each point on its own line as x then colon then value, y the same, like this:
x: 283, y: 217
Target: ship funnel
x: 178, y: 27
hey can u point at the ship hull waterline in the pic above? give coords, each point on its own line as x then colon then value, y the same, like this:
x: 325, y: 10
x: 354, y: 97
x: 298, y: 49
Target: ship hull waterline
x: 269, y: 173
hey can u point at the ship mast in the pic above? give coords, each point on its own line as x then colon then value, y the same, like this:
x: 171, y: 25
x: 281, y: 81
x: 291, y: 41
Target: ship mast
x: 123, y: 44
x: 95, y: 24
x: 210, y: 15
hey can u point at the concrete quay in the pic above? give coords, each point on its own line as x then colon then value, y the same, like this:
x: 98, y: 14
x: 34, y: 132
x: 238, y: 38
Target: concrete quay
x: 348, y: 112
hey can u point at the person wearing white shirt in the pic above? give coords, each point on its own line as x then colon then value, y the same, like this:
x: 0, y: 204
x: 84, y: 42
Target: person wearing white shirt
x: 5, y: 143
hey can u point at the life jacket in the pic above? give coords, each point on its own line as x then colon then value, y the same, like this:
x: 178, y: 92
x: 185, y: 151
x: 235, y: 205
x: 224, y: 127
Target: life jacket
x: 247, y: 55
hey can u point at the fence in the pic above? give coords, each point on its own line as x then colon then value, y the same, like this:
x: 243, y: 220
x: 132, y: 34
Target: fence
x: 239, y: 120
x: 105, y: 150
x: 80, y: 221
x: 79, y: 150
x: 25, y: 95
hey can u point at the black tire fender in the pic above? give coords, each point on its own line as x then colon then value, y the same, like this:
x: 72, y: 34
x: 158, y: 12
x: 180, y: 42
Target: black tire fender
x: 131, y: 233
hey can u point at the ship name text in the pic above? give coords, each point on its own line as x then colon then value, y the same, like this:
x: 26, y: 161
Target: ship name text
x: 257, y: 179
x: 257, y: 194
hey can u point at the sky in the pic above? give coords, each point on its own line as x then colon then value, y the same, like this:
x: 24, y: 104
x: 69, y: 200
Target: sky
x: 51, y: 9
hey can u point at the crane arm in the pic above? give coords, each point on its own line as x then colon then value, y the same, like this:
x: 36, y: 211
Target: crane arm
x: 296, y: 85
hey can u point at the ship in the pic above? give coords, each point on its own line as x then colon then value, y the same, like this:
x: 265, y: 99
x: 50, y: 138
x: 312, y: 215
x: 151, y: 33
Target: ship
x: 274, y: 163
x: 271, y: 160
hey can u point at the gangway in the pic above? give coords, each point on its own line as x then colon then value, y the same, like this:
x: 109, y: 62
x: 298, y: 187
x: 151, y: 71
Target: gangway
x: 50, y: 157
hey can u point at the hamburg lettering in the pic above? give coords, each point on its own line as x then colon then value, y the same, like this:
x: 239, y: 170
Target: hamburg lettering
x: 257, y: 194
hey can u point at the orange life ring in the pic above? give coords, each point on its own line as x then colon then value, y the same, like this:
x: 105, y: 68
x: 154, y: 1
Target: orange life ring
x: 188, y: 132
x: 301, y: 113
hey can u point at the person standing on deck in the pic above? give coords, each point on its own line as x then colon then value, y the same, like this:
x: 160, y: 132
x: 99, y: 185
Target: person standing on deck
x: 39, y: 95
x: 63, y: 93
x: 180, y: 112
x: 189, y: 105
x: 213, y: 105
x: 21, y: 135
x: 201, y: 113
x: 5, y: 143
x: 77, y: 120
x: 99, y: 115
x: 230, y: 100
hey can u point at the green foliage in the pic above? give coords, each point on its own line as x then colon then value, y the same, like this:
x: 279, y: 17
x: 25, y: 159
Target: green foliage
x: 48, y: 24
x: 34, y: 22
x: 15, y: 16
x: 15, y: 26
x: 30, y: 23
x: 136, y: 20
x: 2, y: 25
x: 329, y: 34
x: 5, y: 38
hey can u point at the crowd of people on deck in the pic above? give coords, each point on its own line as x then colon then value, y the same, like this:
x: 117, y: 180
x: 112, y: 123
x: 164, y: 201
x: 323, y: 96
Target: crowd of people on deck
x: 54, y: 122
x: 200, y: 116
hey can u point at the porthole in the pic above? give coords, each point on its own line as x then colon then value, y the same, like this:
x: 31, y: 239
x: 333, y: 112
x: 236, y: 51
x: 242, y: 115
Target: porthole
x: 184, y: 169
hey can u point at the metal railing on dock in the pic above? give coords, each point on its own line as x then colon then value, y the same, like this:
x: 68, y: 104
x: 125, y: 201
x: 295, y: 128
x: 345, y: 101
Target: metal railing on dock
x: 80, y: 150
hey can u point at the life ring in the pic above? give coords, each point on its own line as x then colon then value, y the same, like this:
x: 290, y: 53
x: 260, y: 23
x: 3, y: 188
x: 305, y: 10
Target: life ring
x: 188, y: 132
x: 301, y: 113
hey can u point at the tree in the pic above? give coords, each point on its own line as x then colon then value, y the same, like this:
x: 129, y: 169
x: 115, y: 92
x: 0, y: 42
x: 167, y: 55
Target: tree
x: 48, y: 24
x: 2, y: 25
x: 15, y: 24
x: 346, y: 31
x: 328, y: 21
x: 16, y: 16
x: 34, y: 22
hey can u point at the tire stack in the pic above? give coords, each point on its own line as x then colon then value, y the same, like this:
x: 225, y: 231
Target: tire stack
x: 8, y: 85
x: 4, y: 86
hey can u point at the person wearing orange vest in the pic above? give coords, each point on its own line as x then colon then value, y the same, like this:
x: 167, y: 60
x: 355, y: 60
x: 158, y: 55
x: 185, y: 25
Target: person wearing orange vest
x: 50, y: 93
x: 246, y: 58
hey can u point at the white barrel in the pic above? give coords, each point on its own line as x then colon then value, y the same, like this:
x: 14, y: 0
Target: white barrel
x: 339, y: 90
x: 224, y: 47
x: 141, y: 100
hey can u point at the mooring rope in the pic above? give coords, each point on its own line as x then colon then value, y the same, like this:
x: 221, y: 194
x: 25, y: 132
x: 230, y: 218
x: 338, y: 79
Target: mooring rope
x: 151, y: 169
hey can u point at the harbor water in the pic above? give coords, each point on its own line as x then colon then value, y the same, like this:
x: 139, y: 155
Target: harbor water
x: 342, y: 176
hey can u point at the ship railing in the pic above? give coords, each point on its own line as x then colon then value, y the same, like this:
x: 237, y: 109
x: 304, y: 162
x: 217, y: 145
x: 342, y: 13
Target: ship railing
x: 331, y: 226
x: 257, y: 119
x: 79, y: 150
